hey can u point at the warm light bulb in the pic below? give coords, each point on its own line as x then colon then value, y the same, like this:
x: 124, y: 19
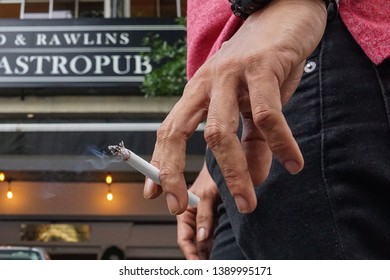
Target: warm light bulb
x: 108, y: 179
x: 2, y: 177
x: 10, y: 195
x: 109, y: 196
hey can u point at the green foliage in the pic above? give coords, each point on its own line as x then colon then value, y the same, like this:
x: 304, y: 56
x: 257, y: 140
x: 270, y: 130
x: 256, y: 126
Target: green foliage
x: 168, y: 77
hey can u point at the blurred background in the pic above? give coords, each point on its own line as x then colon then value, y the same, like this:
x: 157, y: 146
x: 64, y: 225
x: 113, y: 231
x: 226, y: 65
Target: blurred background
x: 75, y: 77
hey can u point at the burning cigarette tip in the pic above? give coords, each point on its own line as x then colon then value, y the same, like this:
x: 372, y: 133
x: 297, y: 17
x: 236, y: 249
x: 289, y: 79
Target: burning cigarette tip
x: 119, y: 150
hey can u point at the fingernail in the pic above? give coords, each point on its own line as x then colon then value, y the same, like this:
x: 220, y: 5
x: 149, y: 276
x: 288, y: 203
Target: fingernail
x: 202, y: 234
x: 292, y: 167
x: 149, y: 188
x: 242, y: 204
x: 173, y: 203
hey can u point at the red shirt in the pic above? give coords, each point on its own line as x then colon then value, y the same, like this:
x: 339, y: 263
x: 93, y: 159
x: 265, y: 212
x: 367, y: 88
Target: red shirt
x: 210, y: 23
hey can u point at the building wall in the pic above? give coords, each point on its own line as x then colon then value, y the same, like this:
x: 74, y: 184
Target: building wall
x: 141, y: 228
x: 79, y: 199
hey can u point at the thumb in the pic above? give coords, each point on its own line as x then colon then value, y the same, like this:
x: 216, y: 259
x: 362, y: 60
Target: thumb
x: 205, y: 226
x: 204, y: 220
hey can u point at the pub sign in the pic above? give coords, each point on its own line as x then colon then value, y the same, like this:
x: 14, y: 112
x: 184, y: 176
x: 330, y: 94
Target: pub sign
x: 79, y: 52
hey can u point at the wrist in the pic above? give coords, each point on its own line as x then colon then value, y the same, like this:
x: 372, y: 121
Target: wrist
x: 244, y: 8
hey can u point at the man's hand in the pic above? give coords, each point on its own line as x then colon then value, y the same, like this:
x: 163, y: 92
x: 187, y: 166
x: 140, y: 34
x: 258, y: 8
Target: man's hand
x: 253, y: 74
x: 195, y: 225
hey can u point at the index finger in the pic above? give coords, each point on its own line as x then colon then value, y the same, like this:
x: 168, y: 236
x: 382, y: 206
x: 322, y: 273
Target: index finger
x: 169, y: 154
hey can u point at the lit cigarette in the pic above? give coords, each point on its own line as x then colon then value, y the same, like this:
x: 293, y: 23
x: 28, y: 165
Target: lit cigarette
x: 145, y: 168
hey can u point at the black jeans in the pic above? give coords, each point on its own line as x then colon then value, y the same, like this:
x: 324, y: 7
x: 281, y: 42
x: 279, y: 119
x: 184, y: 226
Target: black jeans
x: 338, y: 207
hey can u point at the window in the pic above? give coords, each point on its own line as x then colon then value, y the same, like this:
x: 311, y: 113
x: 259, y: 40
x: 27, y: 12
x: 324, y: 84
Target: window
x: 64, y: 9
x: 61, y: 8
x: 172, y: 8
x: 36, y: 9
x: 25, y: 9
x: 158, y: 8
x: 9, y: 9
x: 90, y: 9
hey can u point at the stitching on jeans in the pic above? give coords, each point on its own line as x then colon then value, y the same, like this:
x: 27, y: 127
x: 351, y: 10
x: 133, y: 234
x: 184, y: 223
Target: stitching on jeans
x: 385, y: 99
x: 324, y: 180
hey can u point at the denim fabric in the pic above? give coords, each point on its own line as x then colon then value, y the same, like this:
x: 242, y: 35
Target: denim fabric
x: 338, y: 207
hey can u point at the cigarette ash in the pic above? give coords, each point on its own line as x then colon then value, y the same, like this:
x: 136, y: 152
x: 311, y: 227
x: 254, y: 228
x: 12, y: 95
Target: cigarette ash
x: 120, y: 151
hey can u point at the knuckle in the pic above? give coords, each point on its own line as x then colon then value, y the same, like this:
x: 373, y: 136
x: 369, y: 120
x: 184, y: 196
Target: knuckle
x: 227, y: 69
x: 264, y: 116
x: 166, y: 172
x: 198, y: 83
x: 168, y: 132
x: 171, y: 177
x: 264, y: 67
x: 253, y: 63
x: 278, y: 146
x: 256, y: 64
x: 164, y: 130
x: 226, y: 66
x: 200, y: 75
x: 214, y: 135
x: 202, y: 217
x: 233, y: 178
